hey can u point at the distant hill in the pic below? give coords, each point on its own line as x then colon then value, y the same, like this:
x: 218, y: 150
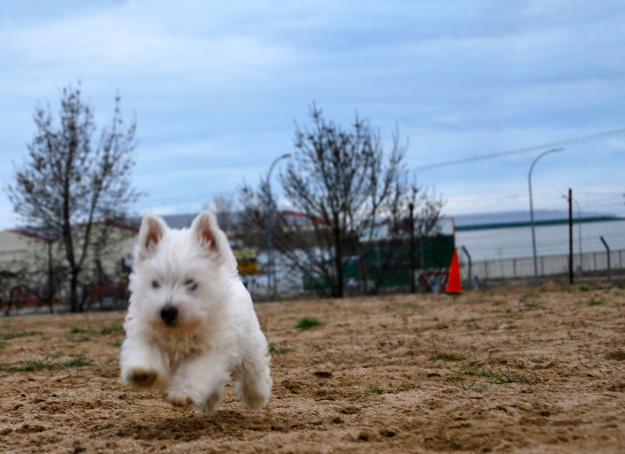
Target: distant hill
x: 477, y: 221
x: 505, y: 219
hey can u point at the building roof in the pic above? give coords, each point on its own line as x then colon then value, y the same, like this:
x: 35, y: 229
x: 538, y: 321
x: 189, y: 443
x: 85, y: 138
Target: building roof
x: 37, y: 233
x: 50, y: 235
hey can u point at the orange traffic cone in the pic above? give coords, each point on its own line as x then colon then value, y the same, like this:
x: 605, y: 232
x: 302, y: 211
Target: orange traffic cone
x: 454, y: 286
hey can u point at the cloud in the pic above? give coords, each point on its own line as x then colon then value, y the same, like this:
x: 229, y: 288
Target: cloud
x: 110, y: 43
x: 216, y: 86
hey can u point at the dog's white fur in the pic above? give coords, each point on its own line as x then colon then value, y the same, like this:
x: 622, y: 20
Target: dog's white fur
x: 216, y: 335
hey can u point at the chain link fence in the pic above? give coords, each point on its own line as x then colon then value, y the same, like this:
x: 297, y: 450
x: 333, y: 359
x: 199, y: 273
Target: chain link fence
x: 548, y: 265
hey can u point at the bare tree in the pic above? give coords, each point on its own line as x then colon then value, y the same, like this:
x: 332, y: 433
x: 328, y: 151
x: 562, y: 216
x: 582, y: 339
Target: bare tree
x: 14, y: 275
x: 45, y: 272
x: 70, y: 180
x: 224, y: 206
x: 352, y: 196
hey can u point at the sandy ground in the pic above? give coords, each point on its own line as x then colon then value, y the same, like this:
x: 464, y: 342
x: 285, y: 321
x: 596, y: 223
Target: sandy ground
x: 510, y: 371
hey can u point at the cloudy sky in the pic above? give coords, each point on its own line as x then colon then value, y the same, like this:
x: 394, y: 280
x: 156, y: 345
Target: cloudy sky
x: 216, y: 87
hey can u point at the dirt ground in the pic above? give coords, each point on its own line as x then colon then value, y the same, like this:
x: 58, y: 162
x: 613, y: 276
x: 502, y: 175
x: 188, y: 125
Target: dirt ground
x: 526, y: 370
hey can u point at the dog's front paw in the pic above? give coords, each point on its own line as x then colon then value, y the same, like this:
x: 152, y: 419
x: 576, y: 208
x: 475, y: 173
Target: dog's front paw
x: 210, y: 404
x: 141, y: 378
x: 178, y: 398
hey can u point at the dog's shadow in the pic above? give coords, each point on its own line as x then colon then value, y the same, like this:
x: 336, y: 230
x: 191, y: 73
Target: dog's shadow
x: 191, y: 427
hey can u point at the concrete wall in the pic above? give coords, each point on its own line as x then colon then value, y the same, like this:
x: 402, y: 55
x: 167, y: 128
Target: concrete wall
x: 19, y: 251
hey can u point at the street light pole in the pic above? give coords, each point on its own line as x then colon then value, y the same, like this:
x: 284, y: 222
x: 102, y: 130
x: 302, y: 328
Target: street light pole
x: 271, y: 275
x: 529, y: 182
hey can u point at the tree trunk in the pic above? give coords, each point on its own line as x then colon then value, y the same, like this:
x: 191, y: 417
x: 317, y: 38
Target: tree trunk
x: 73, y: 290
x: 50, y: 287
x: 338, y: 261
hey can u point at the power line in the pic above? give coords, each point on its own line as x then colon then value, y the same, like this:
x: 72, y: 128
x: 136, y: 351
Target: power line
x: 488, y: 156
x: 615, y: 193
x: 175, y: 199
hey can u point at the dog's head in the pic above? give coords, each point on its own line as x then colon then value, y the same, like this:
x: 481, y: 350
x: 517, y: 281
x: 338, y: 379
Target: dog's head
x: 180, y: 276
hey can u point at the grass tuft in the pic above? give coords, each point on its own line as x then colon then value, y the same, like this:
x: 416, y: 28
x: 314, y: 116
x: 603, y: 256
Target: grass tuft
x: 494, y: 377
x: 29, y: 365
x: 10, y: 336
x: 448, y: 356
x: 76, y: 362
x: 501, y: 378
x: 79, y: 330
x: 273, y: 348
x: 469, y: 370
x: 595, y: 302
x: 375, y: 390
x: 34, y: 365
x: 115, y: 328
x: 308, y: 323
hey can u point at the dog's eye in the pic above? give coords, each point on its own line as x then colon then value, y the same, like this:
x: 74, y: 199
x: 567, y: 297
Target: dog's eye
x: 190, y: 284
x: 156, y: 284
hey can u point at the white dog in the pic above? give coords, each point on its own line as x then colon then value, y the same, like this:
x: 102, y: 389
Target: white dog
x: 191, y: 323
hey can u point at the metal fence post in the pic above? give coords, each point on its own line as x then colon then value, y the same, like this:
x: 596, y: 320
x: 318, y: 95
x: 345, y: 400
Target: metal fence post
x: 413, y: 261
x: 570, y: 200
x: 466, y: 252
x: 607, y: 248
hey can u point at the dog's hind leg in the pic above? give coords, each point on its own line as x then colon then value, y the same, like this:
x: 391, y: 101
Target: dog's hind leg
x: 254, y: 383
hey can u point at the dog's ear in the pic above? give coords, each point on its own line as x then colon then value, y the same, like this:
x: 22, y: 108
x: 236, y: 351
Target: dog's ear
x: 210, y: 237
x: 207, y: 232
x: 150, y: 235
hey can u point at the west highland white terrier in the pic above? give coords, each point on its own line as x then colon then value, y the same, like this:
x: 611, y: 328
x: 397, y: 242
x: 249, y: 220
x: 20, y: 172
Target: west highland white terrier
x: 191, y: 324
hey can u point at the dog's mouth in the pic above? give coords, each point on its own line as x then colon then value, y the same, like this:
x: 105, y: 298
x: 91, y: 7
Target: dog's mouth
x: 178, y: 325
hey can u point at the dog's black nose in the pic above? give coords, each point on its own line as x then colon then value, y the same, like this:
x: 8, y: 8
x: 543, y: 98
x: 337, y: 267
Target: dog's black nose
x: 169, y: 314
